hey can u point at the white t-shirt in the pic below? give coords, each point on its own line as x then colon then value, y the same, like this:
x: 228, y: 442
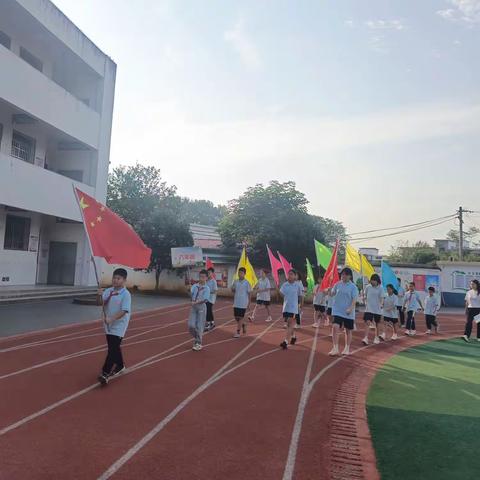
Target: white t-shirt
x: 431, y: 305
x: 473, y: 299
x: 262, y: 284
x: 390, y: 306
x: 374, y: 297
x: 400, y: 296
x: 320, y: 297
x: 412, y: 301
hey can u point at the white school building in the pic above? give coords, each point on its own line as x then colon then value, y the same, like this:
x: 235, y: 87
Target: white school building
x: 56, y: 104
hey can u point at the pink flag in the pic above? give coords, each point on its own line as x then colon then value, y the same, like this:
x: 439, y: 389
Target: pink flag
x: 286, y: 265
x: 275, y: 265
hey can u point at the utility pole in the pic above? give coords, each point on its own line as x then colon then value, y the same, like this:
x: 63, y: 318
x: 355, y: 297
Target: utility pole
x: 460, y: 213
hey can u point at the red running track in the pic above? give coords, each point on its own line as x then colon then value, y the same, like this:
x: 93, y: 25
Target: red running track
x: 239, y: 409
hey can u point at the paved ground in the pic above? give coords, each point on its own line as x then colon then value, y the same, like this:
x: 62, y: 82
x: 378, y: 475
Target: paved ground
x: 28, y: 317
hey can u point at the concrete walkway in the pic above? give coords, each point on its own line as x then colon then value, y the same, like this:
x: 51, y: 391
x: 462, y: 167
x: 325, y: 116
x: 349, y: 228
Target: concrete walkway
x: 27, y: 317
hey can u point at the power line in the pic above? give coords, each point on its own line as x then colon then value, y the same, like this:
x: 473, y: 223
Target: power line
x: 404, y: 226
x: 400, y: 232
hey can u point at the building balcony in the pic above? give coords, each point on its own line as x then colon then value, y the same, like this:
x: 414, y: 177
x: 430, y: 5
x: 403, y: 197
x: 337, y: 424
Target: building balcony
x: 29, y: 187
x: 31, y: 91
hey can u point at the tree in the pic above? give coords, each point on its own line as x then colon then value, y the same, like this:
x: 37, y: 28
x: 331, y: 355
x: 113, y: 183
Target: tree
x: 418, y: 252
x: 277, y: 215
x: 138, y: 194
x: 203, y: 212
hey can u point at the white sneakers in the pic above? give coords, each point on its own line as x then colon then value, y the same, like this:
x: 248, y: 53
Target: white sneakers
x: 269, y: 319
x: 236, y: 335
x: 346, y: 350
x: 333, y: 351
x: 197, y: 347
x: 376, y: 341
x: 394, y: 336
x: 428, y: 332
x: 464, y: 337
x: 382, y: 337
x: 365, y: 341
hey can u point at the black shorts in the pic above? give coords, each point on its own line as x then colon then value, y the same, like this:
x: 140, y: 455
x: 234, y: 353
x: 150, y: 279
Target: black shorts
x: 343, y: 322
x: 372, y: 317
x: 319, y: 308
x: 263, y: 302
x: 239, y: 312
x: 329, y: 310
x: 287, y: 315
x: 390, y: 319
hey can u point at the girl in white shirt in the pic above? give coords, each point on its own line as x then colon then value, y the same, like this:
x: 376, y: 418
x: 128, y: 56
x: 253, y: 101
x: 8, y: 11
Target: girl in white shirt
x: 472, y: 303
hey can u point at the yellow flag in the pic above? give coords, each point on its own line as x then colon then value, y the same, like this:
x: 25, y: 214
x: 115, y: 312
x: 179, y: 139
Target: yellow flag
x: 352, y: 258
x: 245, y: 263
x: 367, y: 268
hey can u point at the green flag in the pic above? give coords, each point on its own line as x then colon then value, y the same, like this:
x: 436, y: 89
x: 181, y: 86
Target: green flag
x: 310, y: 278
x: 324, y: 254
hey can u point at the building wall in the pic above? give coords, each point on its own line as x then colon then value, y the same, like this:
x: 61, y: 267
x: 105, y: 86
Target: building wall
x: 455, y: 279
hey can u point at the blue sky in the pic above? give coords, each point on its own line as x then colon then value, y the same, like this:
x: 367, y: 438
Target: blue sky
x: 372, y: 107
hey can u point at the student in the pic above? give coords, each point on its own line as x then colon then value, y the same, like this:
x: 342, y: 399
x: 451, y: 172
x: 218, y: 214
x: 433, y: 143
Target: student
x: 344, y: 294
x: 400, y: 298
x: 117, y: 305
x: 373, y: 308
x: 319, y: 305
x: 301, y: 300
x: 213, y: 286
x: 411, y: 304
x: 291, y: 291
x: 472, y: 304
x: 432, y: 307
x: 263, y: 289
x: 390, y: 312
x: 200, y: 295
x: 241, y: 300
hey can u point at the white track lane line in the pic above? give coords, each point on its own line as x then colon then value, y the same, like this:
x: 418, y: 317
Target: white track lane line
x: 131, y: 369
x: 162, y: 424
x: 99, y: 348
x: 80, y: 332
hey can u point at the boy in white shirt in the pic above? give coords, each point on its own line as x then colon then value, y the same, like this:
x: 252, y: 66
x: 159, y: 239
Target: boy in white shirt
x: 390, y: 312
x: 373, y: 308
x: 213, y: 286
x: 432, y: 306
x: 241, y: 300
x: 263, y: 289
x: 411, y: 304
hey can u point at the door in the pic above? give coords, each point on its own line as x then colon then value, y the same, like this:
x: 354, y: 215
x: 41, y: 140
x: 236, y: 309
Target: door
x: 61, y: 263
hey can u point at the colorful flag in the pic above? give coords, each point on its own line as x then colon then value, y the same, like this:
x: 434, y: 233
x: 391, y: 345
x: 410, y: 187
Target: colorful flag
x: 209, y: 264
x: 250, y: 275
x: 323, y: 253
x: 286, y: 265
x: 310, y: 278
x: 275, y: 265
x: 331, y: 275
x: 111, y: 237
x: 388, y: 276
x: 367, y: 268
x: 352, y: 258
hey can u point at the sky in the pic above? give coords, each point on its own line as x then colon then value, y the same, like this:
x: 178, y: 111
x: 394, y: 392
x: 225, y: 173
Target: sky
x: 371, y: 107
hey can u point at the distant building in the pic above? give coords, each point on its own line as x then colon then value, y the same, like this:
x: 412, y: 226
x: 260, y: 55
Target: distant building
x: 205, y: 236
x: 371, y: 254
x: 446, y: 245
x: 56, y: 105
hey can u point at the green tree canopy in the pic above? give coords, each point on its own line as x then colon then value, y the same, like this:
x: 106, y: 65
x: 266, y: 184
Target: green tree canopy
x: 276, y: 214
x: 417, y: 252
x: 203, y: 212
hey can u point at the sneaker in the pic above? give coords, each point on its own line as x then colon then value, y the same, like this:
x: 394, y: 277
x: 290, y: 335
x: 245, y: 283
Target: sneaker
x: 382, y: 337
x: 284, y: 325
x: 236, y: 335
x: 269, y: 319
x: 371, y: 326
x: 315, y: 325
x: 465, y: 338
x: 212, y: 325
x: 284, y: 345
x: 293, y: 340
x: 297, y: 326
x: 478, y: 339
x: 376, y: 341
x: 428, y: 332
x: 118, y: 372
x: 346, y: 351
x: 103, y: 379
x: 333, y: 351
x: 197, y: 347
x: 413, y: 332
x: 365, y: 341
x: 394, y: 336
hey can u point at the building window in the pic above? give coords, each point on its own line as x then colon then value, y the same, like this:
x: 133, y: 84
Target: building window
x: 5, y: 40
x: 23, y: 147
x: 31, y: 59
x: 17, y: 233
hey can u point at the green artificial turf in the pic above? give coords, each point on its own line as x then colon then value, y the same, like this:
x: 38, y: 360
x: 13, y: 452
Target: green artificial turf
x: 424, y: 413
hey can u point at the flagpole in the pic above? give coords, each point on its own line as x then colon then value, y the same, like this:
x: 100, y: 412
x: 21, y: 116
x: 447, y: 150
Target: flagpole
x: 92, y: 258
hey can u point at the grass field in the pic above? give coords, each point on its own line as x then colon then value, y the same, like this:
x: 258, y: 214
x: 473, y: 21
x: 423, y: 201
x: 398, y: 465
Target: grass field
x: 424, y: 413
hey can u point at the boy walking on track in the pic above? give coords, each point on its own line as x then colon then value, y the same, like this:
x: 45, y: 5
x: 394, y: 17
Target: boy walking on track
x: 400, y: 298
x: 432, y: 306
x: 411, y: 304
x: 117, y: 305
x: 263, y: 296
x: 200, y: 295
x: 212, y: 285
x: 291, y: 291
x: 241, y: 300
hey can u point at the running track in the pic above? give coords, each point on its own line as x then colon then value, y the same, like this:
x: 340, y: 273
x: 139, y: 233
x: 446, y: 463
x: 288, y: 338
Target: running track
x: 239, y: 409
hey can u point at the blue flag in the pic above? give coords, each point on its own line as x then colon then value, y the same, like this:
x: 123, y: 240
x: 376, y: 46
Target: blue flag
x: 388, y: 276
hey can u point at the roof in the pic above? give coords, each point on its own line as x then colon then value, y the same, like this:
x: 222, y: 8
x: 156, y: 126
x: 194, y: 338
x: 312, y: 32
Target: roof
x: 205, y: 236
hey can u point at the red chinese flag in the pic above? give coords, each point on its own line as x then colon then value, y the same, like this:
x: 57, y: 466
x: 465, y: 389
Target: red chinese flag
x: 110, y: 236
x: 209, y: 264
x: 275, y: 265
x: 331, y: 275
